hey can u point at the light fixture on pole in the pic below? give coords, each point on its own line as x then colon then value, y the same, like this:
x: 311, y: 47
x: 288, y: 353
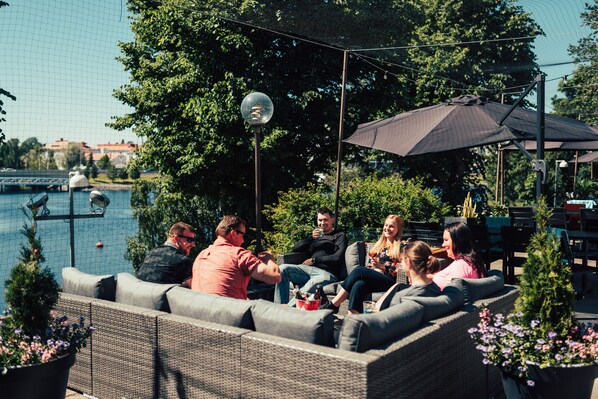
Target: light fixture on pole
x: 98, y: 203
x: 257, y: 109
x: 559, y: 163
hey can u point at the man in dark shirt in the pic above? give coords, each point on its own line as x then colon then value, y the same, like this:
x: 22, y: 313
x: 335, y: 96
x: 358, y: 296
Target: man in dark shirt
x: 326, y: 250
x: 168, y: 263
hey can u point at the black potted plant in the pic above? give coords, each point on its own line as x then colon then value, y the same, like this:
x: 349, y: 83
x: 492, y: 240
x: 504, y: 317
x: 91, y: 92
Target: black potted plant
x: 37, y: 348
x: 540, y: 349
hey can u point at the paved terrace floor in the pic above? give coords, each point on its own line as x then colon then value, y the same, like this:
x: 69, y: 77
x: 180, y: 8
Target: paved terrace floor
x: 586, y: 309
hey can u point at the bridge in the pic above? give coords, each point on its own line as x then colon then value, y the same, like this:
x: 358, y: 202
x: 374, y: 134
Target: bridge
x: 34, y: 178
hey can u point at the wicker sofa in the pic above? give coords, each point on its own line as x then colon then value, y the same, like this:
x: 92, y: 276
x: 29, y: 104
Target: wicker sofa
x: 140, y: 350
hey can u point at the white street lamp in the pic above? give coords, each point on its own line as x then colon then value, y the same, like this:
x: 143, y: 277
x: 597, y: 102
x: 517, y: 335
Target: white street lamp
x: 257, y: 109
x: 559, y: 163
x: 77, y: 180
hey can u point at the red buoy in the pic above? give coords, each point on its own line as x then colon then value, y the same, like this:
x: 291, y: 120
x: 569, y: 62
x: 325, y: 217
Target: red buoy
x: 100, y: 244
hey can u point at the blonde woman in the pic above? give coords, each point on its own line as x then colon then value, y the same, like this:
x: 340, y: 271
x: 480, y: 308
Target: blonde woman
x: 380, y: 274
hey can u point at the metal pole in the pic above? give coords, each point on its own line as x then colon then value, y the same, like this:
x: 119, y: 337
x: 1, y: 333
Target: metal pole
x: 341, y: 132
x: 258, y: 191
x: 575, y: 173
x: 556, y: 164
x: 72, y: 226
x: 540, y: 81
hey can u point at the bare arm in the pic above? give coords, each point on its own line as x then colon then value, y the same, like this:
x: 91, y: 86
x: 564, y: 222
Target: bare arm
x: 267, y: 271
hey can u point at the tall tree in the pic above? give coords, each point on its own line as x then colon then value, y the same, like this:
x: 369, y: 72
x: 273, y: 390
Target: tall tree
x: 191, y: 65
x: 3, y: 93
x: 581, y: 88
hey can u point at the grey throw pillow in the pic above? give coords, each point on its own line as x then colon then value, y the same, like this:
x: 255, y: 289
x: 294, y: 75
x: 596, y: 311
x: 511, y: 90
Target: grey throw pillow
x: 476, y: 289
x: 355, y: 255
x: 314, y: 326
x: 132, y: 291
x: 434, y: 307
x: 76, y: 282
x: 209, y: 307
x: 366, y: 331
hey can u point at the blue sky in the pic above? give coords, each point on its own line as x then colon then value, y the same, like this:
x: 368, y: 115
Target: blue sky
x: 58, y: 58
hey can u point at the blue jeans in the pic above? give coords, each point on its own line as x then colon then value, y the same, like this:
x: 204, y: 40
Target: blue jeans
x: 363, y: 281
x: 307, y: 277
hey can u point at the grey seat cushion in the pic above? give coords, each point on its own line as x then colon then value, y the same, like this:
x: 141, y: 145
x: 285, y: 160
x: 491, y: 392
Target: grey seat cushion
x: 434, y: 307
x: 366, y: 331
x: 76, y: 282
x: 132, y: 291
x: 475, y: 289
x: 316, y: 327
x: 209, y: 307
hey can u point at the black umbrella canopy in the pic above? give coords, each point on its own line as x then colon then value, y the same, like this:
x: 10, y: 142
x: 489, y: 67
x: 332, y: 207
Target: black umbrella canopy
x: 463, y: 122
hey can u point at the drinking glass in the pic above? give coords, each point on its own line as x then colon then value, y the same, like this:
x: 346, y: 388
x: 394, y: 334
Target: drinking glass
x: 369, y: 306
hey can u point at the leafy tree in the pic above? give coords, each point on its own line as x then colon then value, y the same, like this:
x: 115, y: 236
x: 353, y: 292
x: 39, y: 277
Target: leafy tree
x: 190, y: 69
x: 134, y: 172
x: 112, y: 173
x: 122, y: 174
x: 3, y: 93
x: 73, y: 155
x: 11, y: 154
x: 93, y: 171
x: 366, y: 203
x: 157, y: 206
x: 581, y: 94
x: 104, y: 162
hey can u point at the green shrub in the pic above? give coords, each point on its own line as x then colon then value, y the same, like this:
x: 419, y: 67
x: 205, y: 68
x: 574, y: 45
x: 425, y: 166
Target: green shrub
x: 364, y: 204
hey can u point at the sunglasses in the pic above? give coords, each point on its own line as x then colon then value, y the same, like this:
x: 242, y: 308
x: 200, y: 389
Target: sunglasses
x: 190, y: 240
x: 240, y: 232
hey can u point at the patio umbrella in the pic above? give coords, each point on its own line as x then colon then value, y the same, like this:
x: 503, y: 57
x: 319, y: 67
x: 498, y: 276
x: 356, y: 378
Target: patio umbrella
x: 463, y: 122
x: 591, y: 157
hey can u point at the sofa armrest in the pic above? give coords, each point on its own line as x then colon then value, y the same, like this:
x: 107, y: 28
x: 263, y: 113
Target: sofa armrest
x: 294, y: 258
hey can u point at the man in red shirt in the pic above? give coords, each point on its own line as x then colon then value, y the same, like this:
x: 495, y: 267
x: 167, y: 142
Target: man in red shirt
x: 224, y: 268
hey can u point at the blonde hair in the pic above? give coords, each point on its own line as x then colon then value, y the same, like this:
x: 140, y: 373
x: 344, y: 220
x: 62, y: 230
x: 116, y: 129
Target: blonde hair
x: 394, y: 248
x: 420, y: 255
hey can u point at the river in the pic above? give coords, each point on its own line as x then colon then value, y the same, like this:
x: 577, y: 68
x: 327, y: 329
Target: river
x: 112, y: 230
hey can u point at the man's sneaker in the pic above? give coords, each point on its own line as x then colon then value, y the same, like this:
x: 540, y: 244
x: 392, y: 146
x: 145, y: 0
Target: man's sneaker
x: 329, y: 305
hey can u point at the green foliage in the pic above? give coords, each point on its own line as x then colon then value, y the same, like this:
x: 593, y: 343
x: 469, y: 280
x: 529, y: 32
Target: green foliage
x: 31, y: 291
x: 93, y: 171
x: 581, y: 96
x: 547, y: 293
x: 157, y: 206
x: 122, y: 174
x: 104, y: 162
x: 134, y: 172
x: 111, y: 173
x: 365, y: 204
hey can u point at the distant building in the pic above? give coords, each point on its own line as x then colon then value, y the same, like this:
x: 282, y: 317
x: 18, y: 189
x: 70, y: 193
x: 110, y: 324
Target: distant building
x: 119, y: 154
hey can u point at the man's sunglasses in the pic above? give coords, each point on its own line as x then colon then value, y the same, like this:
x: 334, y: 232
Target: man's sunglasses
x: 190, y: 240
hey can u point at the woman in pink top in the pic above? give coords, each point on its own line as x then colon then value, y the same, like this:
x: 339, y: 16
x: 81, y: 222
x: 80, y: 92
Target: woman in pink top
x: 456, y: 240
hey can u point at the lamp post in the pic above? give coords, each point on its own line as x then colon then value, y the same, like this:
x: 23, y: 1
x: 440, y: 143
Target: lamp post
x: 76, y: 180
x: 257, y: 109
x: 559, y: 163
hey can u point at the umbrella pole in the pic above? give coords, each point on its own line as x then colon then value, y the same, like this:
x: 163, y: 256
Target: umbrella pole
x: 341, y: 130
x: 575, y: 173
x: 497, y: 174
x: 540, y: 117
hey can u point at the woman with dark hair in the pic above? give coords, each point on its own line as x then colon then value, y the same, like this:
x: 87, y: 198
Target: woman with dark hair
x: 457, y: 242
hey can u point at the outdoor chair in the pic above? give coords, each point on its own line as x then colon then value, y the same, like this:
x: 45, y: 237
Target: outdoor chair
x: 429, y: 232
x: 522, y: 216
x: 515, y: 239
x: 558, y: 219
x: 573, y: 216
x: 481, y: 242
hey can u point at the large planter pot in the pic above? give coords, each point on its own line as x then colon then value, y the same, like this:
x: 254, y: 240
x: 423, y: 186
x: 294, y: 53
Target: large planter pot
x: 552, y: 383
x: 40, y: 381
x: 454, y: 219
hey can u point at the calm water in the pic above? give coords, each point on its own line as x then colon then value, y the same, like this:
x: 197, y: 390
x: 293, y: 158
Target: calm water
x: 112, y: 230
